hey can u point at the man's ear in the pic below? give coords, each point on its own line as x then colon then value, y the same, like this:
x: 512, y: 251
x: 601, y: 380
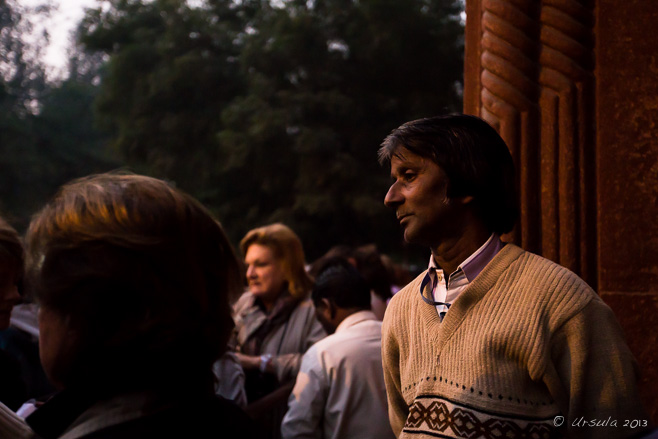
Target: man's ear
x: 329, y: 305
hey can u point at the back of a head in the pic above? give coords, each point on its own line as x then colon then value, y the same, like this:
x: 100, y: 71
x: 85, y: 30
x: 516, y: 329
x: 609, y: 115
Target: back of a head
x: 142, y: 272
x: 338, y: 251
x: 341, y: 283
x: 288, y: 249
x: 474, y: 157
x: 370, y: 265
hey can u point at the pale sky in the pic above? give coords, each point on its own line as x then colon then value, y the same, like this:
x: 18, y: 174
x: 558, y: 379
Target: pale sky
x: 60, y: 25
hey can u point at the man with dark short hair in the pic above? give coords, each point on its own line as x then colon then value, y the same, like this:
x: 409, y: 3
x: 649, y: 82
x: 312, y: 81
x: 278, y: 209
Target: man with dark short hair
x: 340, y: 391
x: 491, y: 340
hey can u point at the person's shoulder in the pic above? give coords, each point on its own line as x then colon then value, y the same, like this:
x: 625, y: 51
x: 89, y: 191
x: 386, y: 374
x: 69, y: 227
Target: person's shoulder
x: 304, y: 308
x: 347, y: 343
x: 204, y: 418
x: 402, y: 304
x: 306, y: 303
x: 547, y: 272
x: 244, y: 302
x: 547, y: 282
x: 408, y: 290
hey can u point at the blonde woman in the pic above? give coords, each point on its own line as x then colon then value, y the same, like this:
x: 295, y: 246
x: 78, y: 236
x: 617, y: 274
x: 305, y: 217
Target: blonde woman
x: 275, y: 321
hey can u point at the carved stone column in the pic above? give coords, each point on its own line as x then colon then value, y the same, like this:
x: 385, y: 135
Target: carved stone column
x: 572, y: 87
x: 534, y: 67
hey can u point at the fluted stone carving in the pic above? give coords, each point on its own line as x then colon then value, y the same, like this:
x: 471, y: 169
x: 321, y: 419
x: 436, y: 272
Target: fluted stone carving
x: 535, y: 86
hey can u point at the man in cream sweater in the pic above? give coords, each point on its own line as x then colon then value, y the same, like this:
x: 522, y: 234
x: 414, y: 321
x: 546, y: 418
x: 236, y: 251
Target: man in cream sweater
x: 491, y: 341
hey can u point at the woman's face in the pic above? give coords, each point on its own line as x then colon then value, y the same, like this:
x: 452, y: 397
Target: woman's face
x: 9, y: 298
x: 264, y: 272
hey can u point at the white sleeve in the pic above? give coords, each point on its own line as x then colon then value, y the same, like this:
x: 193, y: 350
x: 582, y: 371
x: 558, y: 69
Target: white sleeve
x: 307, y: 400
x: 13, y: 426
x: 230, y: 379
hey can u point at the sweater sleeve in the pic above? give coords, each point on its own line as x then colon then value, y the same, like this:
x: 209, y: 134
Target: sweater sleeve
x: 397, y: 407
x: 593, y: 376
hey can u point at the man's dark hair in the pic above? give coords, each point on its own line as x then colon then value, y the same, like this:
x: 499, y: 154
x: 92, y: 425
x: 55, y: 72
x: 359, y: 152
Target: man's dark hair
x: 340, y: 283
x: 473, y: 156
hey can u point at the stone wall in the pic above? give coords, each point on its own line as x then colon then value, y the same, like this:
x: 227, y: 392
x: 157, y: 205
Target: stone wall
x: 572, y: 86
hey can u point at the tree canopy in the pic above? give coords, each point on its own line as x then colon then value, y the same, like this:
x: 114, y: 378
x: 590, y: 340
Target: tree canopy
x: 274, y: 111
x: 265, y: 110
x: 47, y: 133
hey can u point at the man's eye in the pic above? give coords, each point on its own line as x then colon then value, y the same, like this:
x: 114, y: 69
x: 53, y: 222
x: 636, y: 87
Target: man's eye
x: 409, y: 176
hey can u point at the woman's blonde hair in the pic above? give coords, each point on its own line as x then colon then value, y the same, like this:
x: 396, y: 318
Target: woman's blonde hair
x: 288, y: 250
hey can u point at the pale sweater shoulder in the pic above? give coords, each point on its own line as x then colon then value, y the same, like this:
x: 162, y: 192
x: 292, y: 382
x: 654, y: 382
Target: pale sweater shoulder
x: 536, y: 284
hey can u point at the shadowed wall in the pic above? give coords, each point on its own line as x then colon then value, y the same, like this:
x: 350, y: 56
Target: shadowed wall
x: 572, y: 87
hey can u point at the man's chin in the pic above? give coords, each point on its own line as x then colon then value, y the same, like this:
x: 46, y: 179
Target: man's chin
x: 410, y: 236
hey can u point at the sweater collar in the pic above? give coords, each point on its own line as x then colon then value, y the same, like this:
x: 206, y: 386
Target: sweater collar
x: 475, y: 263
x: 472, y: 295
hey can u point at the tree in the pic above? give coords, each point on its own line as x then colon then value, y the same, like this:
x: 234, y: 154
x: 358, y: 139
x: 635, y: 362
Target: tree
x: 171, y: 71
x: 327, y: 81
x: 273, y: 111
x: 22, y: 75
x: 47, y: 134
x: 22, y: 83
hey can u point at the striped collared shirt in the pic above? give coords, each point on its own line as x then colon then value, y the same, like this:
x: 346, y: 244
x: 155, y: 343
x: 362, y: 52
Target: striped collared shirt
x: 447, y: 290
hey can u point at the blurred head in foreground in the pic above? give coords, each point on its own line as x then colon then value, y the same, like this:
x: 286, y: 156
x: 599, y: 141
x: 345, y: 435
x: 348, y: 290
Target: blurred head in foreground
x: 134, y: 279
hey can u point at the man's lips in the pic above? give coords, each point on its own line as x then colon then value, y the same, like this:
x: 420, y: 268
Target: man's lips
x: 403, y: 216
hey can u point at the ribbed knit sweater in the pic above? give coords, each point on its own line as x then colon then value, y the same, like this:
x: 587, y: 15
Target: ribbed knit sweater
x: 527, y: 341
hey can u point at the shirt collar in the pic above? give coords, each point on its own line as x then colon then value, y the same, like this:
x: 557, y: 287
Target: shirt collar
x: 475, y: 263
x: 353, y: 319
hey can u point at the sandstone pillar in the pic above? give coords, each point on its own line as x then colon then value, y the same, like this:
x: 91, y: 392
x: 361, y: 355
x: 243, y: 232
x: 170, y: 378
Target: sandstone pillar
x: 572, y: 86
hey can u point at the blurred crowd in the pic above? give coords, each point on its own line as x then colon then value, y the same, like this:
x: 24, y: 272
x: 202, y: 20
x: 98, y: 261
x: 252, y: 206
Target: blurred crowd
x: 125, y: 305
x: 126, y: 313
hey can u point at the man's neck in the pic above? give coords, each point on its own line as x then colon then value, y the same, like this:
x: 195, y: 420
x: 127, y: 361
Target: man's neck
x: 452, y: 252
x: 343, y: 313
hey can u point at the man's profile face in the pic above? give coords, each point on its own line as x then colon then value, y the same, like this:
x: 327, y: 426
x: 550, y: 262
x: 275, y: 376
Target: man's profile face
x: 418, y: 195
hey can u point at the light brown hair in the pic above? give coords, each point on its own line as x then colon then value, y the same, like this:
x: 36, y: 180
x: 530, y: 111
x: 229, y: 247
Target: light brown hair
x: 142, y: 271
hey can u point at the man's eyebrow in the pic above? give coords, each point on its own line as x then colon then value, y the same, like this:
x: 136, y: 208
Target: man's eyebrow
x: 398, y: 154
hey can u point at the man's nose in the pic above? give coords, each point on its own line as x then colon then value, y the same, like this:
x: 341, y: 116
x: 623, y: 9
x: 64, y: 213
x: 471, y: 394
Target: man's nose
x: 250, y: 271
x: 393, y: 197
